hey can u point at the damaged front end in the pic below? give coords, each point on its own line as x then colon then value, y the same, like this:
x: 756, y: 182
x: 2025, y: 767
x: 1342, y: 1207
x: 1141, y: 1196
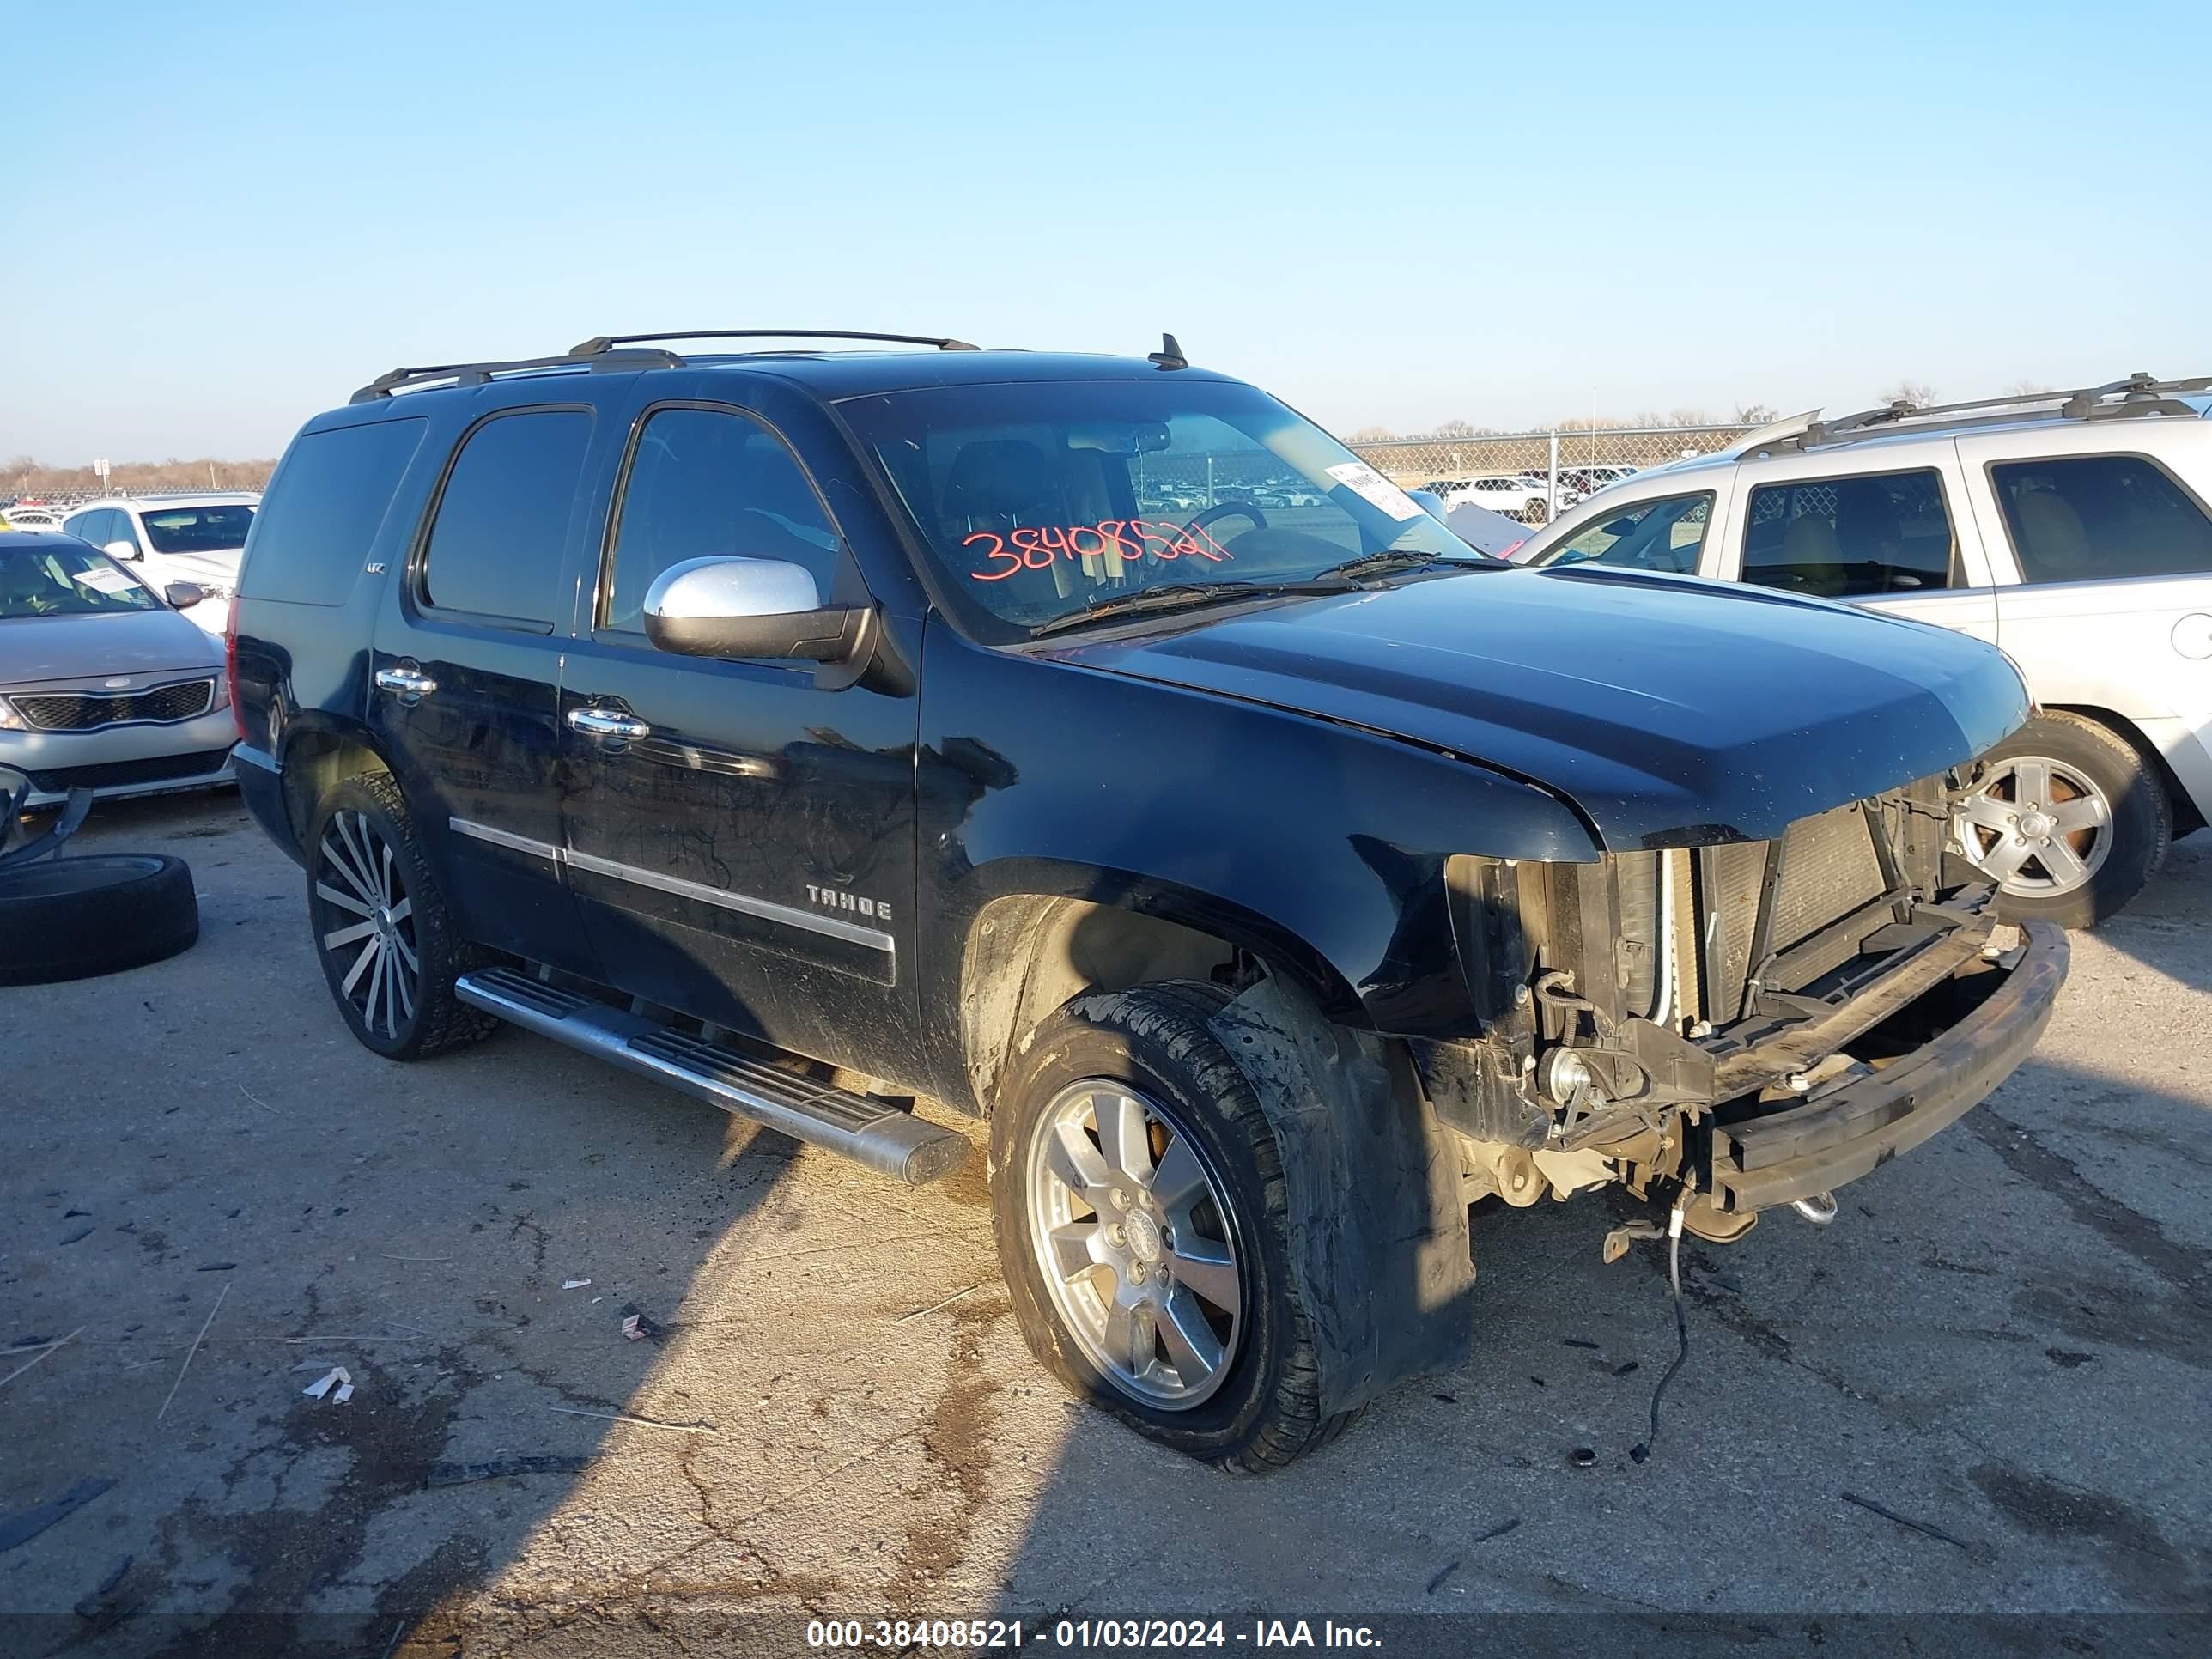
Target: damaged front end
x: 1730, y: 1027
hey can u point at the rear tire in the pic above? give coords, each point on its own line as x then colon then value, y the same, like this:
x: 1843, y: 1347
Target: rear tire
x: 2068, y: 819
x: 1538, y: 511
x: 387, y: 944
x: 1201, y: 1268
x: 70, y: 918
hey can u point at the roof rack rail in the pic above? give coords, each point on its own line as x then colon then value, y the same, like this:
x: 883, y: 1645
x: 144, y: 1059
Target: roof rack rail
x: 1775, y: 432
x: 601, y: 343
x: 404, y: 378
x: 2138, y: 395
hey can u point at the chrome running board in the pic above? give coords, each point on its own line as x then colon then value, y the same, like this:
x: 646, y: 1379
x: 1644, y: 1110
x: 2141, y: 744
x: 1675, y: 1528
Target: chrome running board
x: 886, y: 1139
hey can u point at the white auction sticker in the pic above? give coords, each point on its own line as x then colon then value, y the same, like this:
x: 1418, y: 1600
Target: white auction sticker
x: 1365, y: 481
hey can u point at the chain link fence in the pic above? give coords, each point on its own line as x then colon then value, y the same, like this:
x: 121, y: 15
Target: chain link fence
x: 1539, y: 475
x: 1559, y: 466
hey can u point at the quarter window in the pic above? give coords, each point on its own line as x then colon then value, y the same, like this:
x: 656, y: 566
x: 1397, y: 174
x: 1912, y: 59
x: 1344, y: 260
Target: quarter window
x: 502, y: 518
x: 2090, y: 518
x: 1844, y: 538
x: 322, y: 511
x: 1662, y: 535
x: 704, y: 484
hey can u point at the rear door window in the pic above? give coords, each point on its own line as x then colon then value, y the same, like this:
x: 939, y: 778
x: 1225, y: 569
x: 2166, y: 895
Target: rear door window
x: 1851, y: 537
x: 1663, y: 535
x: 2094, y: 518
x: 502, y: 520
x: 711, y: 484
x: 315, y: 527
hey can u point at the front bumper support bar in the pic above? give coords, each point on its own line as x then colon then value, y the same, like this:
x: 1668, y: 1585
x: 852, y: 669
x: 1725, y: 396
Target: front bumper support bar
x: 1839, y: 1134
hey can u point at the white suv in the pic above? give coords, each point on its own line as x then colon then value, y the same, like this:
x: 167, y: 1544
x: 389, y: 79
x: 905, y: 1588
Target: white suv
x: 2072, y: 529
x: 1524, y: 496
x: 175, y: 539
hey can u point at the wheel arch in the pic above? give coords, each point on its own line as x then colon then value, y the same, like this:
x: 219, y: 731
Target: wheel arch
x: 1027, y: 952
x: 316, y: 757
x: 2186, y: 816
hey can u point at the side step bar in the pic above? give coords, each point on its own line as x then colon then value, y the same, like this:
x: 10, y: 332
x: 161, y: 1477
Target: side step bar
x: 888, y: 1141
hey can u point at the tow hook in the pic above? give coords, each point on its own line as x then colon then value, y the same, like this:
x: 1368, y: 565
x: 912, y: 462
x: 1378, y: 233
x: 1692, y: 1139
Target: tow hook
x: 1819, y: 1209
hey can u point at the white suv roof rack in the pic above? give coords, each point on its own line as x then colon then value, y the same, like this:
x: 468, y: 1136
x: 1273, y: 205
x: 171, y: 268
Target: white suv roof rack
x: 2138, y: 395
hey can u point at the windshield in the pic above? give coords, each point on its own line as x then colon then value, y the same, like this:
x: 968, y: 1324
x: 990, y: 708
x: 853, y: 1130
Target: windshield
x: 1662, y: 535
x: 1037, y: 499
x: 196, y: 529
x: 43, y: 579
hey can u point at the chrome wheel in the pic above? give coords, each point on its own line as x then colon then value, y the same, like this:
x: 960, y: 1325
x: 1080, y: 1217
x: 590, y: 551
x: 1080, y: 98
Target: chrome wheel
x: 2037, y: 827
x: 366, y: 922
x: 1135, y: 1238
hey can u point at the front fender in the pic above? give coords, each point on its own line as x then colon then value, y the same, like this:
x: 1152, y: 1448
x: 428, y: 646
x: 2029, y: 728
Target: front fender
x: 1319, y: 845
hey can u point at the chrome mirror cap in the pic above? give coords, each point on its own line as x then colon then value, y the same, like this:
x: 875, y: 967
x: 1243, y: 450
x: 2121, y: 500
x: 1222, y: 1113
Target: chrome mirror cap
x: 700, y: 588
x: 749, y: 608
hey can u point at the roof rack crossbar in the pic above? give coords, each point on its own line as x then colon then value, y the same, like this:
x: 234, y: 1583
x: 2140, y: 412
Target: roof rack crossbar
x: 2139, y: 394
x: 406, y: 377
x: 601, y: 343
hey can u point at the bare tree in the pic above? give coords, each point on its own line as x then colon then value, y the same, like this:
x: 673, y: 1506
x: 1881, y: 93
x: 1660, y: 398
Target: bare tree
x: 1454, y: 429
x: 2028, y: 389
x: 24, y: 476
x: 1755, y: 413
x: 1918, y: 393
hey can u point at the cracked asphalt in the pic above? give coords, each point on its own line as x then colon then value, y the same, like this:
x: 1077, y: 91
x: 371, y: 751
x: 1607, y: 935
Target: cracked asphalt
x: 1999, y: 1349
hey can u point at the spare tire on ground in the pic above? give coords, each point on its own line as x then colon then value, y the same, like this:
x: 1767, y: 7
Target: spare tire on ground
x: 68, y: 918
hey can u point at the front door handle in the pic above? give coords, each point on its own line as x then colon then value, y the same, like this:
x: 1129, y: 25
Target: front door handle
x: 608, y: 723
x: 407, y: 682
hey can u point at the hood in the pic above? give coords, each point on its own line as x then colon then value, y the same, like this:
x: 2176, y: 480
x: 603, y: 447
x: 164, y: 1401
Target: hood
x: 1487, y: 532
x: 1670, y: 711
x: 38, y: 649
x: 216, y: 568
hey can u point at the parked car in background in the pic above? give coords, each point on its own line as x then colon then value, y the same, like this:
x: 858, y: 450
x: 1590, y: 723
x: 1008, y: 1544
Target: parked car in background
x: 1586, y: 480
x: 103, y: 685
x: 175, y: 539
x: 30, y: 518
x: 1521, y: 496
x: 2070, y: 528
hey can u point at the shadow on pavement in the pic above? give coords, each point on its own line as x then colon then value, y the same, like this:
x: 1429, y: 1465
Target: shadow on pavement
x: 1997, y: 1342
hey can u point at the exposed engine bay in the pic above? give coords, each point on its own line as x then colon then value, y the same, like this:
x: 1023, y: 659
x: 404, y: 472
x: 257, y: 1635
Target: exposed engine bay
x: 1727, y: 1027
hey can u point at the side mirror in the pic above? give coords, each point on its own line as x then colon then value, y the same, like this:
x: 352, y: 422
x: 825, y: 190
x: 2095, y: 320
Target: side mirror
x: 126, y: 550
x: 749, y: 608
x: 184, y: 595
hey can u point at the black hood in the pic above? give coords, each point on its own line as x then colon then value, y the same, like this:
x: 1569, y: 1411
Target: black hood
x: 1669, y: 710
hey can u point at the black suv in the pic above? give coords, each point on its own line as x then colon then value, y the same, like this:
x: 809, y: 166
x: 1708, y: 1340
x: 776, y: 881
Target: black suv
x: 821, y: 732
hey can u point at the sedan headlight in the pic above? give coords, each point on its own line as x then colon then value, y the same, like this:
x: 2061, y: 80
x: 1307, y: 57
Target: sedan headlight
x: 10, y: 720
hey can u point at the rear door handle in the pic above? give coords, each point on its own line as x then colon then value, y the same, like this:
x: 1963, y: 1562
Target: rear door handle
x: 608, y: 723
x: 407, y: 682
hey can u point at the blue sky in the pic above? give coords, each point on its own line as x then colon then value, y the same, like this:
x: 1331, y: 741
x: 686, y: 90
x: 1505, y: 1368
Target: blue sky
x: 221, y: 218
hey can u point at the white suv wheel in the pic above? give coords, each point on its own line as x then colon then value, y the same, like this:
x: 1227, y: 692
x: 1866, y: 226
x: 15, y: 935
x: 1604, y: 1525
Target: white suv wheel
x: 2037, y: 827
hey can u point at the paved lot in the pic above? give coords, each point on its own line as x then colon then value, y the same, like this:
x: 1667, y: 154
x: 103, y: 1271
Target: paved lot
x: 2003, y: 1338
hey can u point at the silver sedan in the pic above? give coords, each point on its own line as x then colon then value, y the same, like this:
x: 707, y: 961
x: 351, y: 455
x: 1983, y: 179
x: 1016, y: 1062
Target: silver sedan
x: 103, y: 684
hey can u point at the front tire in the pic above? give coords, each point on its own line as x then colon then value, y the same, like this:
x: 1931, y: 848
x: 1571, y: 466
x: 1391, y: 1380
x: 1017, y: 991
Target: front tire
x: 1142, y: 1224
x: 387, y: 944
x: 2067, y: 820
